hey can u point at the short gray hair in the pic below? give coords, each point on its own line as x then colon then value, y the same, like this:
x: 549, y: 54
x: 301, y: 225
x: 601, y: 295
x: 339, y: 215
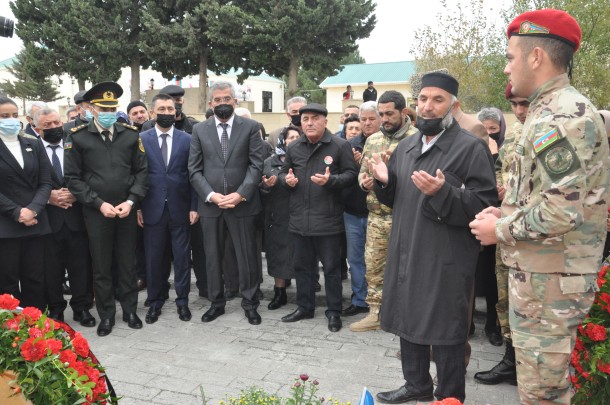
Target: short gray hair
x: 222, y: 85
x: 39, y: 104
x: 69, y: 110
x: 489, y: 114
x: 41, y: 112
x: 369, y: 106
x: 295, y: 100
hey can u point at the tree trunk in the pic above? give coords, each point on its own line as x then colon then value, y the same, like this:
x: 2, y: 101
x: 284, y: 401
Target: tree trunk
x: 293, y: 71
x: 135, y: 77
x: 203, y: 83
x: 81, y: 84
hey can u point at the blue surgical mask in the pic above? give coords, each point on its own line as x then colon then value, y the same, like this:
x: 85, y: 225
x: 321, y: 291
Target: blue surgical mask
x: 88, y: 115
x: 10, y: 127
x: 106, y: 119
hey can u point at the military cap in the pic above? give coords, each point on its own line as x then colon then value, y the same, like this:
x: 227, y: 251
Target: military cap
x: 172, y: 90
x: 105, y: 94
x: 508, y: 93
x: 78, y: 97
x: 122, y: 117
x: 313, y: 108
x: 442, y: 81
x: 547, y: 23
x: 135, y: 103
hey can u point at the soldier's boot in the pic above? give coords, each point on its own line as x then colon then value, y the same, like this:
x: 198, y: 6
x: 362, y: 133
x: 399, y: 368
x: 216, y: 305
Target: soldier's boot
x: 370, y: 322
x: 504, y: 371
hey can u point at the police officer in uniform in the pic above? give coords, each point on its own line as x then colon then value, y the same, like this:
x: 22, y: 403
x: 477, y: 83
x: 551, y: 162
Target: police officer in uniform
x: 552, y: 223
x: 106, y: 170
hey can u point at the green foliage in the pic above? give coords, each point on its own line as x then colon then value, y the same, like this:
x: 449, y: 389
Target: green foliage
x: 31, y: 77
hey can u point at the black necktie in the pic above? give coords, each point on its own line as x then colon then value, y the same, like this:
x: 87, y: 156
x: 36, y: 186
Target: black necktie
x: 107, y: 140
x: 164, y: 148
x: 55, y: 162
x: 224, y: 145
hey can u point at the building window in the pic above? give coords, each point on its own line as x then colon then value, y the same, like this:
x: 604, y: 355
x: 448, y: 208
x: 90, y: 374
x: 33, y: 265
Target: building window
x: 267, y: 101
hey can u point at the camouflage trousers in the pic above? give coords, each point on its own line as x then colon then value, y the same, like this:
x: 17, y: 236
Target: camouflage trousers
x: 545, y: 311
x: 502, y: 304
x: 375, y: 252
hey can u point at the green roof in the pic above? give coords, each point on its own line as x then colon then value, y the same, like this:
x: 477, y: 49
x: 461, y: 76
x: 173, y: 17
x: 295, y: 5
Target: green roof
x: 389, y: 72
x: 7, y: 62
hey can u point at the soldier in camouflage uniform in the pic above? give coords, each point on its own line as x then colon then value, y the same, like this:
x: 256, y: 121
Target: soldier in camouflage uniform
x: 506, y: 370
x: 552, y: 225
x: 396, y: 125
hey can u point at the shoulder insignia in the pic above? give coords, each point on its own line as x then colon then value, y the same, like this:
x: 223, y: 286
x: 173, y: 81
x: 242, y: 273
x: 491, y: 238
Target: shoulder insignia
x: 67, y: 145
x: 129, y: 126
x: 546, y: 140
x: 78, y: 128
x: 140, y: 145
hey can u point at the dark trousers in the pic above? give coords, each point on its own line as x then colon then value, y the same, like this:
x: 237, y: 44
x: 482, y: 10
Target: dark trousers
x: 450, y: 369
x: 307, y: 251
x: 140, y: 258
x: 198, y: 258
x: 68, y: 250
x: 242, y: 233
x: 108, y: 237
x: 230, y: 272
x: 155, y: 243
x: 22, y: 270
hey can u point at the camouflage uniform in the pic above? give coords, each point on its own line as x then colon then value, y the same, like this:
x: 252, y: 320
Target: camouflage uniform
x: 552, y: 231
x: 378, y: 226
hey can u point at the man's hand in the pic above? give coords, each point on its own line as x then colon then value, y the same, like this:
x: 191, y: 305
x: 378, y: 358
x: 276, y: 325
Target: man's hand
x: 484, y: 226
x: 230, y: 201
x: 67, y: 196
x: 367, y: 182
x: 291, y: 180
x: 269, y: 181
x: 193, y: 217
x: 386, y: 156
x: 140, y: 219
x: 357, y: 155
x: 123, y: 209
x: 58, y: 199
x: 321, y: 179
x: 27, y: 217
x: 427, y: 184
x: 501, y: 192
x: 108, y: 210
x: 378, y: 167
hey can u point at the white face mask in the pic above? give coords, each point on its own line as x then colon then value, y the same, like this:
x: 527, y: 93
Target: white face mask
x: 10, y: 127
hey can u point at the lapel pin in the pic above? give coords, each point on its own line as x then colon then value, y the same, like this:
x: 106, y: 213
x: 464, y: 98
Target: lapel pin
x: 28, y: 149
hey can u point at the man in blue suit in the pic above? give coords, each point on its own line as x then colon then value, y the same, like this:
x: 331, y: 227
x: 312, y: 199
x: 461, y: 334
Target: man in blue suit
x: 168, y: 208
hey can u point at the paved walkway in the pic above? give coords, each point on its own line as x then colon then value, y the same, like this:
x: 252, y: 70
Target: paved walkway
x: 168, y: 362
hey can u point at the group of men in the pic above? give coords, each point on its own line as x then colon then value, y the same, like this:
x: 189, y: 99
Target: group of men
x: 429, y: 186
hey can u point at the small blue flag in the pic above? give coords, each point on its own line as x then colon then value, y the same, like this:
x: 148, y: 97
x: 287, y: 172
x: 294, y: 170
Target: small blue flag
x: 366, y: 398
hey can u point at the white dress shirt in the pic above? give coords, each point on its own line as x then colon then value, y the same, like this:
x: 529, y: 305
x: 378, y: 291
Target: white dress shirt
x: 59, y: 152
x: 219, y: 128
x: 170, y: 136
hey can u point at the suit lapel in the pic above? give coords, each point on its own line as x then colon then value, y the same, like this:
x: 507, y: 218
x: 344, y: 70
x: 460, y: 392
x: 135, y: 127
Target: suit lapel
x: 153, y: 147
x: 30, y: 159
x: 176, y: 139
x: 237, y: 124
x: 8, y: 157
x: 214, y: 137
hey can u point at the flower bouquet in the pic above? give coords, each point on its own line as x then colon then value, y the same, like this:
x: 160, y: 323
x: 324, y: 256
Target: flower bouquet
x: 591, y: 355
x: 42, y: 362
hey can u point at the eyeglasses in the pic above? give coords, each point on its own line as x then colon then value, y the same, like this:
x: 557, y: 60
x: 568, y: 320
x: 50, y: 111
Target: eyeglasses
x: 222, y: 99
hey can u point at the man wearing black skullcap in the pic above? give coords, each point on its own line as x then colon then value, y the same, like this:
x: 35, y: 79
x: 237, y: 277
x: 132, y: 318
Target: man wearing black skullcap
x: 138, y: 114
x: 436, y: 180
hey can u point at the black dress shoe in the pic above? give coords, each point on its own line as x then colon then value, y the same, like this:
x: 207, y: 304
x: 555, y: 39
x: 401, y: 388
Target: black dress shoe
x: 212, y: 314
x: 355, y: 310
x: 494, y: 336
x: 57, y: 315
x: 105, y: 327
x: 152, y: 315
x: 334, y: 323
x: 229, y: 295
x: 147, y: 302
x: 132, y: 320
x: 297, y: 316
x: 253, y: 317
x: 401, y: 395
x: 184, y: 313
x: 85, y: 318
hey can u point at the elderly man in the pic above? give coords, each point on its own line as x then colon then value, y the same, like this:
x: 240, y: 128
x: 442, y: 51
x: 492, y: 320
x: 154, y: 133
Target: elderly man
x: 30, y: 111
x: 386, y: 132
x: 437, y: 182
x: 292, y: 112
x: 552, y: 223
x: 138, y: 114
x: 317, y: 168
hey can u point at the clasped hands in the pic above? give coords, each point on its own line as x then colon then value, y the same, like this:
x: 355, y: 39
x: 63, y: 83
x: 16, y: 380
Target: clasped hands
x: 319, y: 179
x: 226, y: 201
x: 109, y: 211
x: 27, y: 217
x: 61, y: 198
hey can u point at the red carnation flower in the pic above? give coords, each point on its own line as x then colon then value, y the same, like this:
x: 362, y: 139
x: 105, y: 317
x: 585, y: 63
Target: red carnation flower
x: 33, y: 350
x: 601, y: 277
x: 579, y: 346
x: 35, y: 333
x: 576, y: 362
x: 12, y: 324
x: 596, y: 333
x: 54, y: 345
x: 32, y: 314
x: 80, y: 344
x: 605, y: 367
x: 7, y: 301
x: 451, y: 401
x: 67, y: 356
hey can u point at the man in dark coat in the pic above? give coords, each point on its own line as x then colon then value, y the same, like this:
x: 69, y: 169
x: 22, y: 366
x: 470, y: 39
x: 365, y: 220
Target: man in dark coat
x: 436, y: 183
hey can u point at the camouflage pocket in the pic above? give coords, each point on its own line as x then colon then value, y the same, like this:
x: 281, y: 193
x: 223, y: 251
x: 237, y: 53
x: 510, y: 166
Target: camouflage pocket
x: 578, y: 284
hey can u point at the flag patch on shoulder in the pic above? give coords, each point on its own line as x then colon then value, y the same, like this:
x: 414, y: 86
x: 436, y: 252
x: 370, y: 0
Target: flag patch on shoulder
x: 546, y: 140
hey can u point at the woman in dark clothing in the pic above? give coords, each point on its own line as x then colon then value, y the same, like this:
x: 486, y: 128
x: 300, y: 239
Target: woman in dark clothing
x: 278, y: 245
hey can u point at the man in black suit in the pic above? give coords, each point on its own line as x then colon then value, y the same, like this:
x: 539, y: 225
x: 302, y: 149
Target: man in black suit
x: 225, y: 166
x: 67, y: 247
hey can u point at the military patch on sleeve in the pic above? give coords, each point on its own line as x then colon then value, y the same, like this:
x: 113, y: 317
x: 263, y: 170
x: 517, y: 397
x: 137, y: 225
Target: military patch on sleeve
x: 78, y: 127
x: 546, y: 140
x: 67, y: 145
x: 560, y: 160
x: 140, y: 145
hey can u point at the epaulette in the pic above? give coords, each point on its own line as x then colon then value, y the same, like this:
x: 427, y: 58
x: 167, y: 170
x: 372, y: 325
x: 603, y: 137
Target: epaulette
x: 78, y: 128
x: 128, y: 126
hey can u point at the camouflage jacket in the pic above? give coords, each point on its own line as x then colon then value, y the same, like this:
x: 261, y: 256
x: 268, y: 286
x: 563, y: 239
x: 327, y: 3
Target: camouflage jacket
x: 555, y: 208
x: 506, y: 153
x: 380, y: 143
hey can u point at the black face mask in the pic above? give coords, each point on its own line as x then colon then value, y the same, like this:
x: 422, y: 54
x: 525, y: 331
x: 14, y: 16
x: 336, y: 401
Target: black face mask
x: 53, y: 135
x: 178, y: 107
x: 495, y: 136
x: 165, y: 120
x: 296, y: 120
x: 431, y: 126
x: 223, y: 111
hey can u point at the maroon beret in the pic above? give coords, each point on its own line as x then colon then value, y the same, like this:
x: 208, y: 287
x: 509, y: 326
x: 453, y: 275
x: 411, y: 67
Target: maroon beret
x: 508, y: 93
x: 547, y: 23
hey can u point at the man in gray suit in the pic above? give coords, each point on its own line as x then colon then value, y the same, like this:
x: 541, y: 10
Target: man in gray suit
x: 225, y: 166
